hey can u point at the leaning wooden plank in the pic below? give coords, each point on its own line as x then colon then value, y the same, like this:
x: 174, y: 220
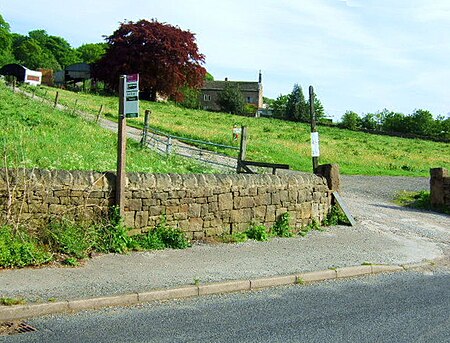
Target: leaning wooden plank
x: 340, y: 201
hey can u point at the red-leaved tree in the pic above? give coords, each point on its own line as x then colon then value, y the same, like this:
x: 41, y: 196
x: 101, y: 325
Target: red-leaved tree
x: 165, y: 57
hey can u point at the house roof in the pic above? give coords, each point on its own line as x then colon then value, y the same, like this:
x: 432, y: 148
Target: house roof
x: 220, y: 85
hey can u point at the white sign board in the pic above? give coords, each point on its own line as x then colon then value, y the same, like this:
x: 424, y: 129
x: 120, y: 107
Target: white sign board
x: 131, y: 92
x: 315, y: 151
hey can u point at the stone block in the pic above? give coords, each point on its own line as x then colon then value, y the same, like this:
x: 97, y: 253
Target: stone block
x: 225, y: 201
x: 195, y: 224
x: 133, y: 204
x: 156, y: 210
x: 194, y: 210
x: 128, y: 220
x: 243, y: 202
x: 141, y: 219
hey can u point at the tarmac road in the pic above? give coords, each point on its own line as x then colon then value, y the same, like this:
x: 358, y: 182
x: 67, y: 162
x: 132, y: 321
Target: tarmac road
x: 400, y: 307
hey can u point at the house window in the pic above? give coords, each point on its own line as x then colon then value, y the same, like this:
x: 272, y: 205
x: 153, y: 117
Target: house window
x: 206, y: 97
x: 249, y: 100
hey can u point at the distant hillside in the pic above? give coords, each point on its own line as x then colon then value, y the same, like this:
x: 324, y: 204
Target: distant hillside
x: 273, y: 140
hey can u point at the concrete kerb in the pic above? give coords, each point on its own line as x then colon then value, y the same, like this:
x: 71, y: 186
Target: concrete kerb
x: 9, y: 313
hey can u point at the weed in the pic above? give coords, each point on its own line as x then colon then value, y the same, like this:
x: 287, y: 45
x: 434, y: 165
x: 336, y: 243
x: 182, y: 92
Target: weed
x: 52, y: 300
x: 313, y: 226
x: 66, y: 237
x: 161, y: 237
x: 282, y: 227
x: 12, y: 301
x: 20, y: 249
x: 300, y: 281
x: 71, y: 261
x: 257, y: 232
x: 237, y: 237
x: 335, y: 217
x: 113, y: 237
x: 196, y: 282
x: 365, y: 263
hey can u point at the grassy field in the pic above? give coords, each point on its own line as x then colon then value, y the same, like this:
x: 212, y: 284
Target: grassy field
x: 277, y: 141
x: 36, y: 135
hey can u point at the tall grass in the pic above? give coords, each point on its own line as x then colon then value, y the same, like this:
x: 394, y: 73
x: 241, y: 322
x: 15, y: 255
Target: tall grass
x: 35, y: 134
x: 277, y: 141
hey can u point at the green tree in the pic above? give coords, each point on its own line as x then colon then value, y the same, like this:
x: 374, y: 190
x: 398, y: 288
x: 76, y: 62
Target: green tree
x: 29, y: 53
x: 421, y: 122
x: 350, y: 120
x: 279, y: 106
x: 55, y: 46
x: 92, y: 52
x: 230, y: 99
x: 6, y: 55
x: 318, y: 110
x: 369, y: 122
x: 296, y: 106
x: 393, y: 122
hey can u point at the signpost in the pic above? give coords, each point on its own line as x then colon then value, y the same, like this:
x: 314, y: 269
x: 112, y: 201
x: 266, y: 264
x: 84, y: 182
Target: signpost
x: 132, y: 96
x: 128, y: 108
x: 315, y: 151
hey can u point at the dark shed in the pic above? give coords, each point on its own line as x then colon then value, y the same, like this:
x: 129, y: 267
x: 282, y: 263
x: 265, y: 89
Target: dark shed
x: 14, y: 70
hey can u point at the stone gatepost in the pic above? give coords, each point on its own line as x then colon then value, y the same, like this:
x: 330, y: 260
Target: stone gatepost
x: 437, y: 186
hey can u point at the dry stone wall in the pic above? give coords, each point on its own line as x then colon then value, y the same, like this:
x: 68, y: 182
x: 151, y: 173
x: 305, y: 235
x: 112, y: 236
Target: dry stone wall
x: 199, y: 204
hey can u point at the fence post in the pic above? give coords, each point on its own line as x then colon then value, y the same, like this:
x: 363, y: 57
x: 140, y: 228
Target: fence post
x: 56, y: 99
x: 75, y: 106
x: 99, y: 113
x: 169, y: 146
x: 242, y: 149
x: 146, y: 125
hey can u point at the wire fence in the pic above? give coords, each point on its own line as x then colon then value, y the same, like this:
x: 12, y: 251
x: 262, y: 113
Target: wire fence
x: 169, y: 144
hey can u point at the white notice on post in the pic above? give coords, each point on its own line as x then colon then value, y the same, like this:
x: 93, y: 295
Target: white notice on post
x: 315, y: 151
x: 131, y: 91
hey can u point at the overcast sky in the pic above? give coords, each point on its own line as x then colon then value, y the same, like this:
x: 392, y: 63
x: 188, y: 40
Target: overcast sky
x: 361, y: 55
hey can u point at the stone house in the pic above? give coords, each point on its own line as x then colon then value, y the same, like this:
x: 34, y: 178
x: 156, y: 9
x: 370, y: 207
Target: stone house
x: 252, y: 92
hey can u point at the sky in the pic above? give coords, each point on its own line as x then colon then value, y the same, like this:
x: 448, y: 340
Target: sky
x: 359, y: 55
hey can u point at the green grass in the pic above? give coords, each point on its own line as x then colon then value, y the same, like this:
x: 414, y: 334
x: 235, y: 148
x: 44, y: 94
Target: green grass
x: 277, y: 141
x: 420, y: 200
x: 34, y: 135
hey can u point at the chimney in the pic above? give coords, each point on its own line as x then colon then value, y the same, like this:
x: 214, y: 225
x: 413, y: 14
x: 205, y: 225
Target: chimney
x: 260, y: 77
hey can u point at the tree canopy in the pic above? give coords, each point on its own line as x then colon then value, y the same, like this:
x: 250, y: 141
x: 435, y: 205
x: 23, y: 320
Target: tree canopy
x: 166, y: 58
x: 230, y: 99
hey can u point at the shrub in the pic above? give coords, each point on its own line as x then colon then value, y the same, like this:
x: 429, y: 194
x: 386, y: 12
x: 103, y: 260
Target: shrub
x: 113, y: 236
x: 19, y: 249
x: 281, y: 227
x: 66, y: 237
x: 335, y: 217
x: 161, y: 237
x: 257, y: 232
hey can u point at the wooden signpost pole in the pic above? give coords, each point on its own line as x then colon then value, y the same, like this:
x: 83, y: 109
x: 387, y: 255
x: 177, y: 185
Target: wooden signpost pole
x: 121, y: 149
x: 314, y: 134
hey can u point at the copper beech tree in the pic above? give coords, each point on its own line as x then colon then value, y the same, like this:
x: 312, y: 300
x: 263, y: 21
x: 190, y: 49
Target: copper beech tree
x: 166, y: 58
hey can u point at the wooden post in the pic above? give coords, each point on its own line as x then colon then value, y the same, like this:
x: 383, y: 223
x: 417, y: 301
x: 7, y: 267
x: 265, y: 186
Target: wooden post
x: 242, y: 149
x: 146, y: 126
x: 56, y: 99
x: 315, y: 159
x: 99, y: 113
x: 14, y: 84
x: 121, y: 150
x: 75, y: 106
x: 169, y: 146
